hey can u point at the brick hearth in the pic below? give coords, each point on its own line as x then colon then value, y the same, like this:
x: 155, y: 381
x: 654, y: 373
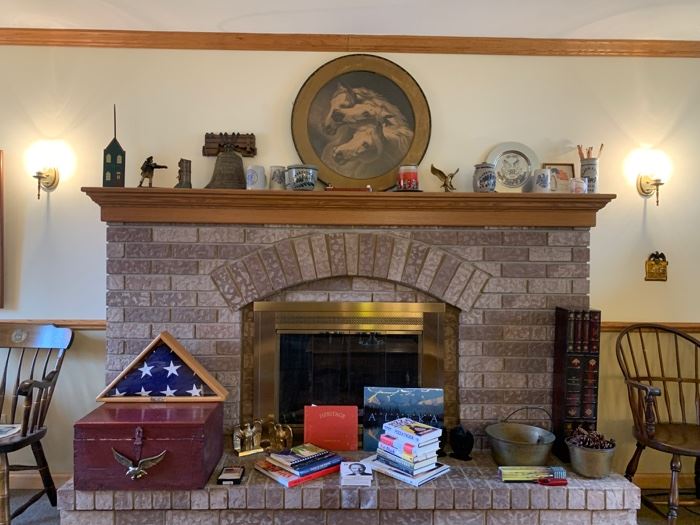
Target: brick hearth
x: 470, y: 494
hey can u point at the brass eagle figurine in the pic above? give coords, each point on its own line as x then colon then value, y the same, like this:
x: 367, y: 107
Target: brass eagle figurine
x: 446, y: 179
x: 137, y: 471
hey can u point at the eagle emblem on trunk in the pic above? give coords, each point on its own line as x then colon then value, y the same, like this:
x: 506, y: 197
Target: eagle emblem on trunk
x: 137, y: 470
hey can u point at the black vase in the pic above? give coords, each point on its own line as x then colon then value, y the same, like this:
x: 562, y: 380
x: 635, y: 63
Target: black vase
x: 462, y: 442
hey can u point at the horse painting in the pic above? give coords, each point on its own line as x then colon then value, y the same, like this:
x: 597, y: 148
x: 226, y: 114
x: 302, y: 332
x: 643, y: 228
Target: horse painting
x: 367, y: 134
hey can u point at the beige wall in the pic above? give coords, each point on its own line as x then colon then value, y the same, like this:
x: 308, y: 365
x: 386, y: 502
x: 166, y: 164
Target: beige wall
x: 167, y: 100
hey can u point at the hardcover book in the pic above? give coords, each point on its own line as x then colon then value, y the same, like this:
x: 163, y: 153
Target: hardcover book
x: 576, y: 369
x: 384, y: 404
x: 414, y: 431
x: 286, y: 478
x: 355, y: 474
x: 309, y: 467
x: 401, y: 453
x: 419, y: 479
x: 299, y: 454
x: 333, y: 427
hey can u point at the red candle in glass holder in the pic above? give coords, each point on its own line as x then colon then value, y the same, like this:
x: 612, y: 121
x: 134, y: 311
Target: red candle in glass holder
x: 408, y: 178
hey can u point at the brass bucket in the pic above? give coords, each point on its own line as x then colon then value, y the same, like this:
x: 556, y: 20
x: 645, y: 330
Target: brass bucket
x: 516, y: 444
x: 591, y: 462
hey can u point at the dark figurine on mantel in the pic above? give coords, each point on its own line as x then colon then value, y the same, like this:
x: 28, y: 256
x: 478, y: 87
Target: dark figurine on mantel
x: 147, y: 169
x: 184, y: 174
x: 446, y: 179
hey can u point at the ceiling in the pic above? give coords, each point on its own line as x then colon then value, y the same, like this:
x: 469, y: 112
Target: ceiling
x: 637, y: 19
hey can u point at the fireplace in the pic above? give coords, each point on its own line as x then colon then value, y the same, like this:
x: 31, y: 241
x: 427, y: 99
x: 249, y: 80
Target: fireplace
x: 195, y: 262
x: 325, y: 353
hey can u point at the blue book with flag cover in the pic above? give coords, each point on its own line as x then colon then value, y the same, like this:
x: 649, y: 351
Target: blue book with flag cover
x: 384, y: 404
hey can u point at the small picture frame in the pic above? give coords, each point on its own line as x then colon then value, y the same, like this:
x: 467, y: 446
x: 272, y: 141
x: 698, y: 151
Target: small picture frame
x: 563, y: 173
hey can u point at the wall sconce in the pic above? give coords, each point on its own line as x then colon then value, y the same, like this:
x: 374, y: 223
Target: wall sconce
x: 45, y: 159
x: 652, y: 168
x: 647, y: 186
x: 46, y: 180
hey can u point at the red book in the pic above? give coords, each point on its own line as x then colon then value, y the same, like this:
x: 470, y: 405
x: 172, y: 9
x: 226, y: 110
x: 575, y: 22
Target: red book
x: 287, y: 478
x: 333, y: 427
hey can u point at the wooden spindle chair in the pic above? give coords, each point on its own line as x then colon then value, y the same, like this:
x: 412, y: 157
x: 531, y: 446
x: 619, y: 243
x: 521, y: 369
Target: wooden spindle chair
x: 31, y: 356
x: 661, y: 367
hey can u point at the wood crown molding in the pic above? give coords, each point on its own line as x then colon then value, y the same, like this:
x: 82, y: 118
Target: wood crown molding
x: 346, y: 208
x: 349, y: 43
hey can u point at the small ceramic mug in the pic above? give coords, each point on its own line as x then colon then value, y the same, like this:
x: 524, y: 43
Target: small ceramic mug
x: 484, y: 177
x: 255, y: 178
x: 578, y: 186
x: 277, y: 178
x: 542, y: 181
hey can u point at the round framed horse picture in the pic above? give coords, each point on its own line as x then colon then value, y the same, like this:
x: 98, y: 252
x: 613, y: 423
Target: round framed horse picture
x: 360, y: 117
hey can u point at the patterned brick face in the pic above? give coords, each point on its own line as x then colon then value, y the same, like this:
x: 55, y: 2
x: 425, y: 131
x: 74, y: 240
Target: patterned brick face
x: 504, y: 284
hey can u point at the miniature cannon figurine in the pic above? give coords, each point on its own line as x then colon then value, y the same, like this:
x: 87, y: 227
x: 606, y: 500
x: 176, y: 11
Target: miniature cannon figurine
x: 147, y: 169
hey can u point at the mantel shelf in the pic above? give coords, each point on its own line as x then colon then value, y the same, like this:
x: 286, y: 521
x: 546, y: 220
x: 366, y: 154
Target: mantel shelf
x: 346, y: 208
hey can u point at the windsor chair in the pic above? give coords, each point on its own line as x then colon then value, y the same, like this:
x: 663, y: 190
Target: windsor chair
x: 31, y: 356
x: 661, y: 367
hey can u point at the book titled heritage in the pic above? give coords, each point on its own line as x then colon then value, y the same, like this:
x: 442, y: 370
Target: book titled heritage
x: 383, y: 404
x: 305, y: 468
x: 299, y: 454
x: 419, y: 479
x: 285, y: 477
x: 412, y: 430
x: 333, y: 427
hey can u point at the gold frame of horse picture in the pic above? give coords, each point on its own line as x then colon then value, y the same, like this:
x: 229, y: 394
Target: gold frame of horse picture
x: 358, y: 118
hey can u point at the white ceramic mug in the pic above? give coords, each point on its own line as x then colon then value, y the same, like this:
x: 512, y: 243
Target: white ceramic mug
x: 543, y: 181
x: 255, y: 178
x: 578, y: 186
x: 277, y: 178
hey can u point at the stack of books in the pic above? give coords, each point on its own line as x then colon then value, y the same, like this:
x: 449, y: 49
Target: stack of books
x: 407, y: 451
x: 298, y: 464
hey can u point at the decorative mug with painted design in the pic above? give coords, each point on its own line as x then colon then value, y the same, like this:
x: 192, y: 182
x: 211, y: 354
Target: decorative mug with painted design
x: 484, y: 177
x: 542, y: 181
x: 255, y: 178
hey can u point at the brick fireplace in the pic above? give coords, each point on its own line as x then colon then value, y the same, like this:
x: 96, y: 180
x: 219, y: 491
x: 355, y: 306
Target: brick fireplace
x: 193, y: 261
x: 197, y: 279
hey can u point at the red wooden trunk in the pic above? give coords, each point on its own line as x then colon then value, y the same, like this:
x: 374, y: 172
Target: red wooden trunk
x: 192, y: 435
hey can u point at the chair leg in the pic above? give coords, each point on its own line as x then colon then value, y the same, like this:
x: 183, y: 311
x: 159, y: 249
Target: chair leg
x: 697, y: 477
x: 4, y: 490
x: 44, y: 472
x: 634, y: 462
x: 673, y: 496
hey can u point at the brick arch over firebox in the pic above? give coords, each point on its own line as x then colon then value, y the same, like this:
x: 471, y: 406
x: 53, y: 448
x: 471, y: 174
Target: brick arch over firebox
x: 408, y: 262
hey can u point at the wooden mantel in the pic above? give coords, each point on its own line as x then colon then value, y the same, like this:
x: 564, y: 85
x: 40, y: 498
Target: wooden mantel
x: 346, y: 208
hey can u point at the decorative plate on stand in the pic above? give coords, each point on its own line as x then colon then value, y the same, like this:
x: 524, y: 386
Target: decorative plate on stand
x: 514, y: 164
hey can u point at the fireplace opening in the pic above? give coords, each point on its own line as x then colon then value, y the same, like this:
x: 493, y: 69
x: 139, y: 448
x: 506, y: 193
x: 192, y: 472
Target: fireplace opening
x: 326, y: 353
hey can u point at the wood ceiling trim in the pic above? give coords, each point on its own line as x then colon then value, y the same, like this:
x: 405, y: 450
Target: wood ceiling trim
x: 348, y: 43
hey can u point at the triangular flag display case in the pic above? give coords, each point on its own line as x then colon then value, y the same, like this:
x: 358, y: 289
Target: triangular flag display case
x: 164, y: 371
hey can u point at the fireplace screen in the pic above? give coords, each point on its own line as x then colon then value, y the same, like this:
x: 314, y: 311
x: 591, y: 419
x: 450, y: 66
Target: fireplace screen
x: 326, y: 353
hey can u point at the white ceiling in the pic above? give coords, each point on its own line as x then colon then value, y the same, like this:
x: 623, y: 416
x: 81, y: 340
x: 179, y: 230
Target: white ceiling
x: 653, y: 19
